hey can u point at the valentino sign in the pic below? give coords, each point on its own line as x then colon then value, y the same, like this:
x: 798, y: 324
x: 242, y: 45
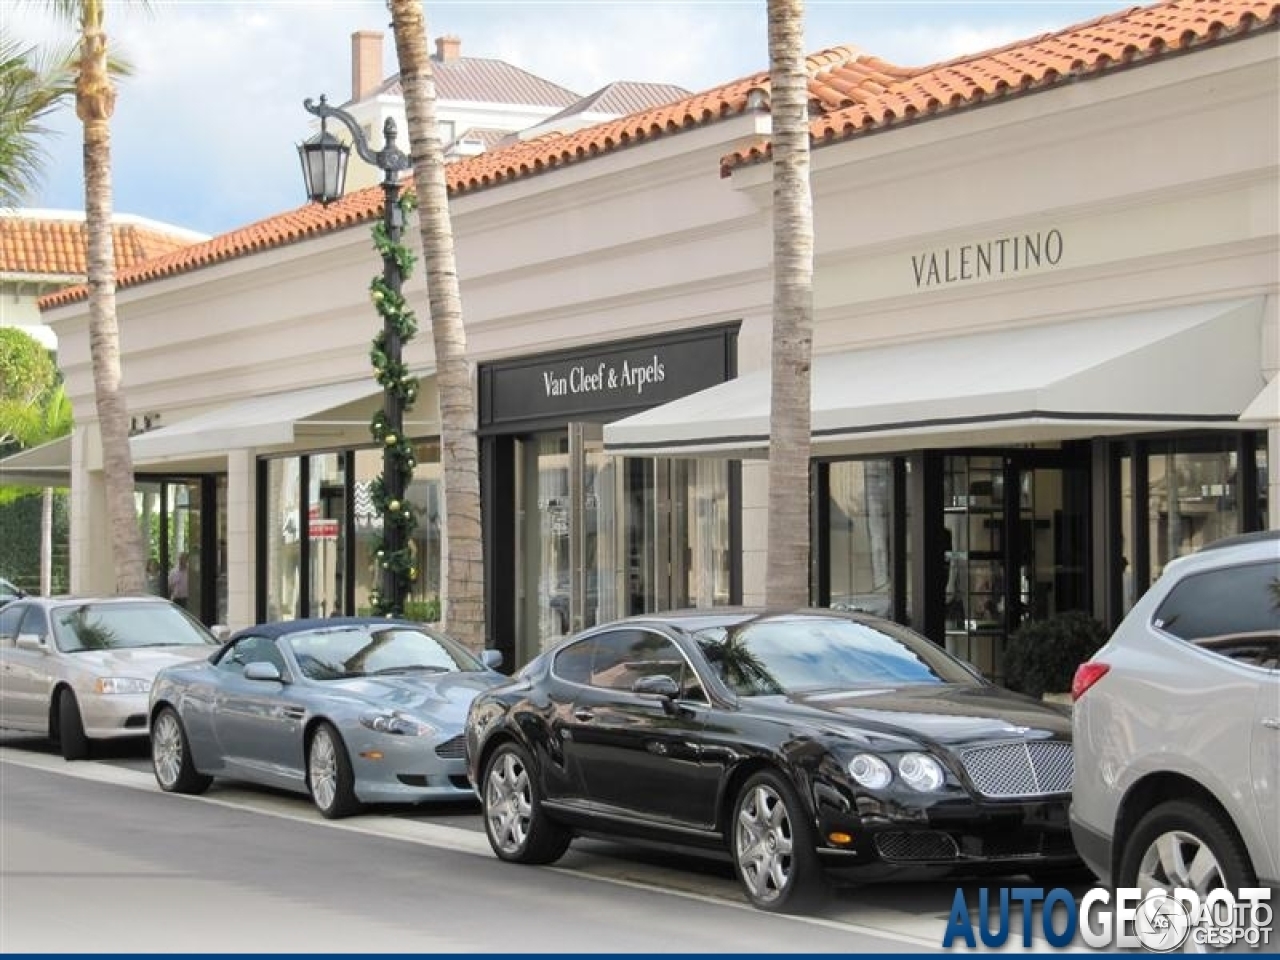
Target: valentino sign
x: 987, y: 258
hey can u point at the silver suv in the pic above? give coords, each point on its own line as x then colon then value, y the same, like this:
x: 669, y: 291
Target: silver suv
x: 1177, y: 728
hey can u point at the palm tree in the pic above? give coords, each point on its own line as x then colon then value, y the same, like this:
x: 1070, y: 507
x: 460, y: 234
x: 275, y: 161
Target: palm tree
x: 95, y: 103
x: 463, y: 610
x: 31, y: 87
x: 787, y: 562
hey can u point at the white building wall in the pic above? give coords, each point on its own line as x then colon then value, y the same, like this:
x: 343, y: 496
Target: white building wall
x: 1162, y: 181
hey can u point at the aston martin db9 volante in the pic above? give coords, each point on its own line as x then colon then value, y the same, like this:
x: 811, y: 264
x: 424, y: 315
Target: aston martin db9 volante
x: 350, y: 710
x: 79, y: 669
x: 807, y: 744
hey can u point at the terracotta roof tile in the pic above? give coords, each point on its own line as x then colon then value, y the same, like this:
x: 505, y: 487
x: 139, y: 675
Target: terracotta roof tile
x: 851, y: 93
x: 1131, y: 36
x: 49, y: 243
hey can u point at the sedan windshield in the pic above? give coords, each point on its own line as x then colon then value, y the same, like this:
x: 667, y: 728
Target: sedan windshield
x: 805, y: 654
x: 371, y: 649
x: 116, y: 626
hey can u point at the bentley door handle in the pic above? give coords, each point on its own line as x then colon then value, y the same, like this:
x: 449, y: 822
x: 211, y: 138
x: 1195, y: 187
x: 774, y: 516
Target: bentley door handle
x: 583, y: 714
x: 1271, y: 723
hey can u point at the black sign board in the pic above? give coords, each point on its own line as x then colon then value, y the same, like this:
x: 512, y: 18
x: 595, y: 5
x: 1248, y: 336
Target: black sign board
x: 604, y: 382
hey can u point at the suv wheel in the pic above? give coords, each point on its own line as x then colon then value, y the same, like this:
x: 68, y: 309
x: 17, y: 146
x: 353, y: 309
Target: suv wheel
x: 1182, y: 843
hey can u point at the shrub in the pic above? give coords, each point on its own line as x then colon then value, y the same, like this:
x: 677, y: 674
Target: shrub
x: 1042, y: 656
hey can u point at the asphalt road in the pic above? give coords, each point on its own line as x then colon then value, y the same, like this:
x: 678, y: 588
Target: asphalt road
x: 94, y: 857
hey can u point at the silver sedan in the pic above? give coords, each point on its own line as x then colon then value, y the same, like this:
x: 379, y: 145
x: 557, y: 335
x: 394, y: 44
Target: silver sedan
x: 350, y: 710
x: 78, y: 669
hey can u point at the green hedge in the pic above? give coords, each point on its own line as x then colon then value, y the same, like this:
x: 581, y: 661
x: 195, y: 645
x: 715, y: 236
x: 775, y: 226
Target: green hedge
x: 20, y: 542
x: 1043, y: 655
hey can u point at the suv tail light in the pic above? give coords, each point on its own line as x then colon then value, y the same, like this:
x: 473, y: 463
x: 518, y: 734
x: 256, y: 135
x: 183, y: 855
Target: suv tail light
x: 1087, y: 674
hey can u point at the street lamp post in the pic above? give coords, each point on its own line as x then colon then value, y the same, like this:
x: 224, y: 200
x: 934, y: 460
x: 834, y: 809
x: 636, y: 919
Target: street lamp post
x: 324, y: 166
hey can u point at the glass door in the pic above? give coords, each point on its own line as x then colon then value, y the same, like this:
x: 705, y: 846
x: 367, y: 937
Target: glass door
x: 1015, y: 548
x: 601, y: 537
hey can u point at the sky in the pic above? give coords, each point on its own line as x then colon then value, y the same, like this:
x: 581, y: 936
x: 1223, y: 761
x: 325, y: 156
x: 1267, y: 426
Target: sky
x: 205, y: 129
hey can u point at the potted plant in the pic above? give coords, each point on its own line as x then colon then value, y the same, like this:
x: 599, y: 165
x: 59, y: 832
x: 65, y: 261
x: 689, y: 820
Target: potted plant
x: 1040, y: 659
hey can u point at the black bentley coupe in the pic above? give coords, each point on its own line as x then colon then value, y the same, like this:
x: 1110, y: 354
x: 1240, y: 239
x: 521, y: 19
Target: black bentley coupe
x: 807, y: 744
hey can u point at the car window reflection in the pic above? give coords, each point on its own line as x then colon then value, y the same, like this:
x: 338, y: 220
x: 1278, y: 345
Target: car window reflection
x: 766, y: 657
x: 114, y: 626
x: 340, y: 653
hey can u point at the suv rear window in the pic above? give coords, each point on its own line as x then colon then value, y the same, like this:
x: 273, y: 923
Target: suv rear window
x: 1221, y: 603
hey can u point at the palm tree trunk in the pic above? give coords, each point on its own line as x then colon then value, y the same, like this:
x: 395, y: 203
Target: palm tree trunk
x: 787, y: 562
x: 463, y: 612
x: 95, y: 103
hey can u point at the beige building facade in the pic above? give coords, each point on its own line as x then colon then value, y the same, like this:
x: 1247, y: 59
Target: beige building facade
x: 1039, y: 322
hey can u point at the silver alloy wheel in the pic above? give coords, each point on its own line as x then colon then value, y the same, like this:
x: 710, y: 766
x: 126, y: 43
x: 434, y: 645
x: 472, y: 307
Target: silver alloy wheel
x: 1180, y: 859
x: 763, y: 843
x: 508, y: 804
x: 322, y: 769
x: 166, y: 749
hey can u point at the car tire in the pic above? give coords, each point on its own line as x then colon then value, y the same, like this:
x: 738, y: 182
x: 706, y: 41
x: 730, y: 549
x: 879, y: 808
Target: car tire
x: 772, y: 845
x: 1193, y: 828
x: 517, y: 826
x: 72, y: 740
x: 171, y: 760
x: 329, y: 774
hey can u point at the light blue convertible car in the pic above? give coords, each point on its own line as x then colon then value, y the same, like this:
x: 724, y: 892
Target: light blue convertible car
x: 352, y: 710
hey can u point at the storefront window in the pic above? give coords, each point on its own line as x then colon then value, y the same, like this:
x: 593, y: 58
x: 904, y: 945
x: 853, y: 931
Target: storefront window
x: 282, y: 535
x: 1192, y: 497
x: 326, y: 514
x: 860, y: 532
x: 1127, y: 534
x: 701, y: 535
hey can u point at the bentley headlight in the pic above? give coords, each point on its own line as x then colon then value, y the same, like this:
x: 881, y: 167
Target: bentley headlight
x: 920, y: 772
x: 870, y: 771
x: 121, y: 685
x: 398, y: 724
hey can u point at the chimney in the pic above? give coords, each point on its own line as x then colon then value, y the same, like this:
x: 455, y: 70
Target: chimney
x: 448, y: 49
x: 366, y: 63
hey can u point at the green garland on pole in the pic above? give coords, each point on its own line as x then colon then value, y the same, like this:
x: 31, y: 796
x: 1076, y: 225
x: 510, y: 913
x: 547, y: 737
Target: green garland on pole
x: 395, y: 379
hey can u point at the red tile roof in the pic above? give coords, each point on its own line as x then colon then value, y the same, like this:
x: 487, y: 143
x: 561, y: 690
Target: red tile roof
x: 1126, y: 38
x: 46, y: 243
x: 851, y: 94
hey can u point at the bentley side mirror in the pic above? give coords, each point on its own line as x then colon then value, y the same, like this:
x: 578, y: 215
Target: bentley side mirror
x: 491, y: 658
x: 659, y: 685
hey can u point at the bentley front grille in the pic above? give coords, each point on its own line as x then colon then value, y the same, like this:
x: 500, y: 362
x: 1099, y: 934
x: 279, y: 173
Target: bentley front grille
x: 1020, y: 768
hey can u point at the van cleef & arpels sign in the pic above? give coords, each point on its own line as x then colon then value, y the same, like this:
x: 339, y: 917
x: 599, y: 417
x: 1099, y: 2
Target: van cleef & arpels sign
x: 610, y: 378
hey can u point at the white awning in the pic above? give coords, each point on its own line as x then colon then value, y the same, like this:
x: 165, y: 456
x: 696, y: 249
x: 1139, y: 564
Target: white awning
x: 1265, y: 407
x: 1176, y: 368
x: 48, y: 465
x: 330, y: 415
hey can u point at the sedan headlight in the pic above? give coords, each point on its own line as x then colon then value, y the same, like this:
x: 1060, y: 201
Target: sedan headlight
x: 870, y: 771
x: 121, y: 685
x: 399, y: 724
x: 920, y: 772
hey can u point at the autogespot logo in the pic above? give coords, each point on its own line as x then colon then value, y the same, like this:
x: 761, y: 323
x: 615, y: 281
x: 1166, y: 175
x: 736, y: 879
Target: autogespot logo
x: 1157, y: 920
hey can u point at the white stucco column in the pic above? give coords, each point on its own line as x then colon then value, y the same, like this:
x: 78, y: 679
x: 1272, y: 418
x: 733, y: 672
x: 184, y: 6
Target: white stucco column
x: 241, y: 512
x: 92, y: 560
x: 755, y: 530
